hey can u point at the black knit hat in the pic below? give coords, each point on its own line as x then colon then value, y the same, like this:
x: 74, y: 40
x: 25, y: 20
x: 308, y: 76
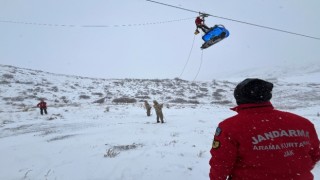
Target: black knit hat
x: 253, y: 91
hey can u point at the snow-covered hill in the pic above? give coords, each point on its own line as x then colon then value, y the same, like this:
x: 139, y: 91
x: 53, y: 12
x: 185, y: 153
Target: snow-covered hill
x: 98, y: 129
x: 22, y: 88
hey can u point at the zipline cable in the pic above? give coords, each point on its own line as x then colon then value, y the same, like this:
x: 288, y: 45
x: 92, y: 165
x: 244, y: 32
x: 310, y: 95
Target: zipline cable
x: 173, y: 6
x: 188, y: 57
x: 243, y: 22
x: 199, y: 66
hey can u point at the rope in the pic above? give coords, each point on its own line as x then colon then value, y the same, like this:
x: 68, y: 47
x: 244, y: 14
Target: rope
x: 199, y: 66
x: 243, y: 22
x: 94, y: 26
x: 188, y: 57
x: 142, y: 24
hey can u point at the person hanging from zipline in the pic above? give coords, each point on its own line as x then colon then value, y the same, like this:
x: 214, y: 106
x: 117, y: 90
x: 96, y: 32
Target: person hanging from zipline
x: 200, y: 24
x: 211, y: 35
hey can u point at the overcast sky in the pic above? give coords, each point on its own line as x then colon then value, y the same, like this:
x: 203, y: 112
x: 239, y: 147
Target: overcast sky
x: 125, y: 39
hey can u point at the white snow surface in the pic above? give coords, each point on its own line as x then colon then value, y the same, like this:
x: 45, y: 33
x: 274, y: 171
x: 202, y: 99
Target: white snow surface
x: 82, y: 140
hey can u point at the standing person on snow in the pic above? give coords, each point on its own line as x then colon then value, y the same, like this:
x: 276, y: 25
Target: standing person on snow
x: 43, y: 106
x: 158, y: 108
x: 200, y: 24
x: 261, y: 143
x: 148, y: 108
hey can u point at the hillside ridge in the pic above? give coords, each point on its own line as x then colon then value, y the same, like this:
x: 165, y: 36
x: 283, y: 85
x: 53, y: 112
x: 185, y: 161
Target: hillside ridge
x: 21, y: 89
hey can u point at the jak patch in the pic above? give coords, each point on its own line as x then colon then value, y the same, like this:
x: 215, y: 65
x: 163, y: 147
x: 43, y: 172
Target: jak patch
x: 215, y: 144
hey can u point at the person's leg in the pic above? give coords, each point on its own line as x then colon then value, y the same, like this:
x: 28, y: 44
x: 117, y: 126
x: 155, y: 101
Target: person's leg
x: 45, y: 110
x: 199, y: 27
x: 204, y: 29
x: 41, y: 111
x: 197, y: 30
x: 161, y: 117
x: 148, y: 111
x: 158, y: 118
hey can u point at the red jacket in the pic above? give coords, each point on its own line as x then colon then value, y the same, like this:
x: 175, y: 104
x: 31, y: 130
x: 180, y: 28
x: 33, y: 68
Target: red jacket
x: 42, y: 105
x: 263, y: 143
x: 198, y: 21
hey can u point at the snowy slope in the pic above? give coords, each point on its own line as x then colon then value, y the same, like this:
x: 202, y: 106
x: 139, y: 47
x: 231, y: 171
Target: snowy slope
x: 80, y: 139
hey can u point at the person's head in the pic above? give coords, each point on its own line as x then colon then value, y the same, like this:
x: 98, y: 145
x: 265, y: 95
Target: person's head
x: 42, y: 100
x: 253, y: 90
x: 155, y: 102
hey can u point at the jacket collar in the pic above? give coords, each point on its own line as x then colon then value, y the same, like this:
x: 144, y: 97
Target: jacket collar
x: 252, y: 106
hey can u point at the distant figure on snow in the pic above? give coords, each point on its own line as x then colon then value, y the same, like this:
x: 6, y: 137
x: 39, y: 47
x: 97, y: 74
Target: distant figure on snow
x: 261, y: 142
x: 148, y: 108
x: 158, y: 108
x: 43, y: 106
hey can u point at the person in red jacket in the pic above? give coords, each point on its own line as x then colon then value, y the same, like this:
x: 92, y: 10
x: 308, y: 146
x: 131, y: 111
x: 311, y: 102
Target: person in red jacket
x: 200, y: 24
x: 262, y: 143
x: 43, y: 107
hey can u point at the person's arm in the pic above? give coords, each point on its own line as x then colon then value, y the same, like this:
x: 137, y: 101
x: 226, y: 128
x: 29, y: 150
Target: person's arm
x: 223, y: 154
x: 202, y: 20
